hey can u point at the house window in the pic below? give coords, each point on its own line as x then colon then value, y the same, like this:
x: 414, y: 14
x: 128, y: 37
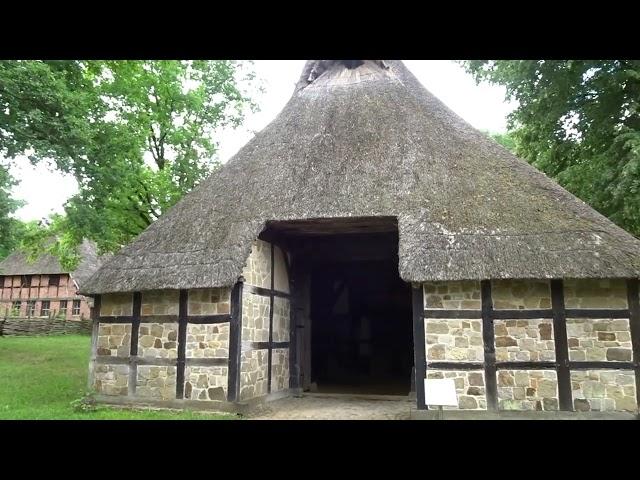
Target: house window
x: 45, y: 308
x: 54, y: 280
x: 25, y: 281
x: 76, y: 307
x: 31, y: 308
x: 63, y: 308
x: 15, y: 308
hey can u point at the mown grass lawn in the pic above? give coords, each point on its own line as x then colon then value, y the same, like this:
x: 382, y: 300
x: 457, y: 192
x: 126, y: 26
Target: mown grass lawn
x: 41, y: 376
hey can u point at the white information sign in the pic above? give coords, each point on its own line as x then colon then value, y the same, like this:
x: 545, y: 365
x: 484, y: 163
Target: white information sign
x: 440, y: 391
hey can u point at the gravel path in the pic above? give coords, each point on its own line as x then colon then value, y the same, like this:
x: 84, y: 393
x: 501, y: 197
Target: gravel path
x: 334, y: 408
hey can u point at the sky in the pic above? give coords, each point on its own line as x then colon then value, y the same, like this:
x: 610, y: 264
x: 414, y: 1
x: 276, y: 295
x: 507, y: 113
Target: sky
x: 45, y: 191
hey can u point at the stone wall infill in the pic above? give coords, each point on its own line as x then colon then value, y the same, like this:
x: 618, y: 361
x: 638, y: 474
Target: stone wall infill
x: 463, y: 295
x: 111, y: 379
x: 206, y: 383
x: 114, y: 339
x: 156, y: 381
x: 158, y: 340
x: 527, y: 390
x: 604, y: 390
x: 454, y: 340
x: 599, y: 340
x: 524, y: 340
x: 470, y: 388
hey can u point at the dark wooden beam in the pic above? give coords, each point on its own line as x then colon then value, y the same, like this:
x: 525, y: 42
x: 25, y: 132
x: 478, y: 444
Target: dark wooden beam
x: 209, y: 319
x: 110, y: 319
x: 135, y: 333
x: 419, y: 353
x: 454, y: 314
x: 602, y: 365
x: 183, y: 305
x: 526, y: 365
x: 235, y: 343
x: 521, y: 314
x: 633, y: 292
x: 159, y: 319
x: 265, y: 292
x: 206, y: 362
x: 264, y: 345
x: 95, y: 328
x: 561, y: 345
x: 270, y: 351
x: 596, y: 313
x: 455, y: 366
x: 491, y: 386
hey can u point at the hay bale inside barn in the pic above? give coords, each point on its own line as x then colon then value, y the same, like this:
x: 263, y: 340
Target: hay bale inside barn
x: 367, y: 239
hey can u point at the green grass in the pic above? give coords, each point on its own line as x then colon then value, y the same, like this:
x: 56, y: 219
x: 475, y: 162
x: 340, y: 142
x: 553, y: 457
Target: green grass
x: 41, y: 376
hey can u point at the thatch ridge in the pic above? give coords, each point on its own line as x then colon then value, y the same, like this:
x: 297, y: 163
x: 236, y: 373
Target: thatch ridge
x: 372, y: 141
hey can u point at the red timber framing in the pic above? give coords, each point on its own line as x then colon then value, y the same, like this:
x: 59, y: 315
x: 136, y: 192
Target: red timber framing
x: 558, y: 313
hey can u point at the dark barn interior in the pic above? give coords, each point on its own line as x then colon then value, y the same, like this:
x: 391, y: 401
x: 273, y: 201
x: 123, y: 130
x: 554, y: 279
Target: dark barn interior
x: 356, y: 315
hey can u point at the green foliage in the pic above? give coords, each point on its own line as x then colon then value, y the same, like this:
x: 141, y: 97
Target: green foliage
x: 137, y: 136
x: 579, y: 122
x: 45, y: 378
x: 10, y: 228
x: 506, y: 139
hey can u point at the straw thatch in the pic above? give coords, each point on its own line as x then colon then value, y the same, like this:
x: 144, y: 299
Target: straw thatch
x: 372, y: 141
x: 18, y: 264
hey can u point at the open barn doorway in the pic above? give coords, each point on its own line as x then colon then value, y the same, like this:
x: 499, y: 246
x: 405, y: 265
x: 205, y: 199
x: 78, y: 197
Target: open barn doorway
x: 353, y: 312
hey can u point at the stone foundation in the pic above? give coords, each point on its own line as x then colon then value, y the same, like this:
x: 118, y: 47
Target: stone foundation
x: 206, y: 383
x: 524, y: 340
x: 604, y: 390
x: 111, y: 379
x: 454, y: 340
x: 156, y: 381
x: 527, y: 390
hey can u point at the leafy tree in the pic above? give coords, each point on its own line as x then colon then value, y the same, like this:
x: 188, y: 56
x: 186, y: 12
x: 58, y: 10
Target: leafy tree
x: 505, y: 139
x: 137, y: 135
x: 10, y: 228
x: 579, y: 122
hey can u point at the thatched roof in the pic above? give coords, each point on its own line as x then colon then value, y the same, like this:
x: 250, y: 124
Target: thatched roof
x: 46, y: 264
x: 372, y: 141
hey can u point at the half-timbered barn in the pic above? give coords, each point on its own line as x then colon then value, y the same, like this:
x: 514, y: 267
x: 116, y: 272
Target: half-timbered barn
x: 367, y: 239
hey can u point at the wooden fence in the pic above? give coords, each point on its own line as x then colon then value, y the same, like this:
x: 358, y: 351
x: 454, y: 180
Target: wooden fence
x: 24, y: 326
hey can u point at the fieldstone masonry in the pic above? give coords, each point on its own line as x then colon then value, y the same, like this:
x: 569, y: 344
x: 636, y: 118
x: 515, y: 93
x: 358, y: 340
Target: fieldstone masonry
x: 279, y: 369
x: 255, y: 318
x: 160, y: 302
x: 158, y: 340
x: 253, y: 374
x: 257, y: 271
x: 207, y: 341
x: 114, y: 340
x: 116, y: 305
x: 281, y: 316
x: 464, y: 295
x: 599, y: 340
x: 209, y: 301
x: 111, y: 379
x: 604, y: 390
x: 470, y: 388
x: 595, y: 293
x: 454, y: 340
x: 527, y: 390
x: 157, y: 382
x: 524, y: 340
x: 520, y: 294
x: 532, y: 340
x: 206, y: 383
